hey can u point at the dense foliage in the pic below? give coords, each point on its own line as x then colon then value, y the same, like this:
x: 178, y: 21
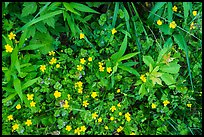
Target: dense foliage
x: 102, y: 68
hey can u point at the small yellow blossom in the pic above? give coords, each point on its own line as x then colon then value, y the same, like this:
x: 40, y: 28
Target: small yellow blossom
x: 42, y: 68
x: 172, y: 25
x: 83, y: 128
x: 120, y: 113
x: 118, y: 90
x: 154, y: 105
x: 85, y: 103
x: 174, y: 8
x: 111, y: 118
x: 32, y: 104
x: 79, y: 67
x: 8, y: 48
x: 90, y: 59
x: 101, y: 69
x: 51, y: 53
x: 93, y: 94
x: 119, y: 129
x: 100, y: 120
x: 192, y: 26
x: 128, y: 119
x: 166, y: 102
x: 118, y: 105
x: 15, y: 126
x: 81, y: 35
x: 10, y: 117
x: 28, y: 122
x: 106, y: 127
x: 100, y: 63
x: 53, y: 61
x: 79, y: 83
x: 132, y: 133
x: 109, y: 69
x: 159, y: 22
x: 113, y: 108
x: 194, y: 13
x: 94, y: 115
x: 82, y: 61
x: 80, y: 90
x: 18, y: 106
x: 68, y: 128
x: 113, y: 31
x: 11, y: 36
x: 127, y: 114
x: 30, y: 96
x: 142, y: 77
x: 77, y: 131
x: 57, y: 94
x: 189, y: 105
x: 58, y: 66
x: 66, y: 105
x: 69, y: 96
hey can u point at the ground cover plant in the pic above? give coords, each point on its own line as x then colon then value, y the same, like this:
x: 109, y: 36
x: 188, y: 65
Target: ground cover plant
x: 101, y: 68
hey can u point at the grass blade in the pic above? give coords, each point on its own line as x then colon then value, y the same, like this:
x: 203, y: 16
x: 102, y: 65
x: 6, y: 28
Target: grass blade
x: 115, y: 14
x: 186, y: 8
x: 69, y: 8
x: 156, y: 7
x: 130, y: 55
x: 82, y: 7
x: 129, y: 69
x: 170, y: 11
x: 17, y: 87
x: 29, y: 83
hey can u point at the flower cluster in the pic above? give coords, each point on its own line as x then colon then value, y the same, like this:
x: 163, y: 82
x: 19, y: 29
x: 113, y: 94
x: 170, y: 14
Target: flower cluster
x: 101, y: 68
x: 79, y: 85
x: 127, y: 116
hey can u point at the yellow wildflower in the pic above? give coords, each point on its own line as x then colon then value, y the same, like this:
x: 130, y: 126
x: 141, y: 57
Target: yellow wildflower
x: 192, y: 26
x: 93, y: 94
x: 189, y: 105
x: 8, y: 48
x: 28, y: 122
x: 10, y: 117
x: 42, y: 68
x: 82, y: 61
x: 100, y: 120
x: 118, y: 90
x: 109, y: 69
x: 79, y: 67
x: 77, y: 131
x: 118, y: 105
x: 52, y: 53
x: 172, y: 25
x: 127, y: 114
x: 66, y: 105
x: 111, y: 118
x: 119, y: 129
x: 106, y: 127
x: 15, y: 126
x: 154, y: 105
x: 83, y: 128
x: 81, y: 35
x: 114, y: 31
x: 120, y: 113
x: 174, y: 8
x: 159, y: 22
x: 57, y: 94
x: 11, y: 35
x: 90, y: 59
x: 69, y: 96
x: 94, y: 115
x: 53, y: 61
x: 80, y: 84
x: 113, y: 108
x: 80, y: 90
x: 32, y: 104
x: 85, y: 103
x: 100, y: 63
x: 142, y: 77
x: 101, y: 68
x: 166, y: 102
x: 68, y: 128
x: 128, y: 119
x: 18, y: 106
x: 194, y: 13
x: 58, y: 66
x: 30, y: 96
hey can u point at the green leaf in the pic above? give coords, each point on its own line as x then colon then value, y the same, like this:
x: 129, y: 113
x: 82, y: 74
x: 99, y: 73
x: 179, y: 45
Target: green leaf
x: 168, y: 42
x: 70, y: 8
x: 170, y: 11
x: 23, y: 37
x: 71, y: 23
x: 14, y: 57
x: 29, y: 83
x: 127, y: 19
x: 165, y: 29
x: 50, y: 22
x: 115, y: 14
x: 172, y: 67
x: 142, y: 90
x: 7, y: 40
x: 121, y: 51
x: 29, y: 8
x: 82, y: 7
x: 155, y: 8
x: 168, y: 78
x: 161, y: 54
x: 178, y: 39
x: 6, y: 4
x: 127, y: 56
x: 186, y: 8
x: 148, y: 60
x: 9, y: 98
x: 129, y: 69
x: 17, y: 65
x: 33, y: 47
x: 130, y: 63
x: 86, y: 116
x: 17, y: 87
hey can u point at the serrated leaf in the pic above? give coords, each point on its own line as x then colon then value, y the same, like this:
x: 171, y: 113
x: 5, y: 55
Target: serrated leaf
x: 172, y: 67
x: 148, y: 60
x: 168, y: 78
x: 29, y: 8
x: 178, y: 39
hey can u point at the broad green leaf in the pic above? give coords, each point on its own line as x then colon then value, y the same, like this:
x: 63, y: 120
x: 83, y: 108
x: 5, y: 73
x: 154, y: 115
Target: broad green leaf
x: 130, y: 63
x: 23, y: 37
x: 168, y: 78
x: 7, y: 40
x: 127, y: 56
x: 9, y: 98
x: 17, y: 87
x: 178, y: 39
x: 14, y: 57
x: 186, y: 8
x: 155, y: 8
x: 29, y: 83
x: 165, y: 29
x: 115, y: 14
x: 40, y: 26
x: 168, y: 42
x: 29, y: 8
x: 71, y: 23
x: 82, y: 7
x: 6, y: 4
x: 142, y: 90
x: 50, y: 22
x: 70, y: 8
x: 172, y: 67
x: 33, y: 47
x: 162, y: 53
x: 170, y: 11
x: 17, y: 65
x: 148, y: 60
x: 129, y: 69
